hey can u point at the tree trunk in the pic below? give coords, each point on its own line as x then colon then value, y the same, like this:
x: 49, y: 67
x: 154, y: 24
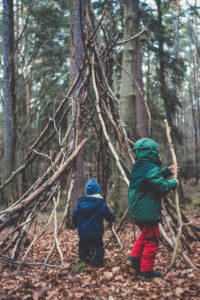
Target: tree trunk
x: 129, y: 63
x: 128, y: 93
x: 162, y: 79
x: 9, y: 100
x: 197, y: 94
x: 164, y: 90
x: 142, y: 112
x: 78, y: 49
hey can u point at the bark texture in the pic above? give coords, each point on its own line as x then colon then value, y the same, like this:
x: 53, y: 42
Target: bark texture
x: 9, y: 86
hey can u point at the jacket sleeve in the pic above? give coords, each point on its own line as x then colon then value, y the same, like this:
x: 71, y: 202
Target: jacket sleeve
x: 158, y: 182
x: 108, y: 214
x: 75, y: 216
x: 166, y: 172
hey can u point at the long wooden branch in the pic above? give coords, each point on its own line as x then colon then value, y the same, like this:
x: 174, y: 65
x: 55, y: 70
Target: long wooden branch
x: 13, y: 214
x: 112, y: 95
x: 45, y: 174
x: 40, y: 233
x: 28, y: 160
x: 171, y: 245
x: 104, y: 127
x: 123, y: 42
x: 179, y: 231
x: 63, y: 219
x: 14, y: 262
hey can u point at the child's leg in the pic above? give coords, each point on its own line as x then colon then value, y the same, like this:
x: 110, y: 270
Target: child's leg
x: 151, y: 236
x: 84, y: 249
x: 138, y: 246
x: 136, y: 252
x: 97, y: 252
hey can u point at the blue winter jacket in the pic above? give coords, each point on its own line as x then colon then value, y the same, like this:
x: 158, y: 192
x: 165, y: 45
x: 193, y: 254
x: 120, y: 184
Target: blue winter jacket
x: 88, y: 217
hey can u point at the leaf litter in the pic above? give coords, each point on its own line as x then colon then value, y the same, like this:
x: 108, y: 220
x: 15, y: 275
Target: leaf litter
x: 114, y: 281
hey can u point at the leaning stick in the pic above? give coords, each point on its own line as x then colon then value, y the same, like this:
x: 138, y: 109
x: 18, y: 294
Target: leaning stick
x: 26, y: 263
x: 180, y: 223
x: 104, y: 127
x: 62, y: 221
x: 123, y: 42
x: 42, y: 232
x: 116, y: 236
x: 110, y: 92
x: 119, y: 226
x: 45, y: 174
x: 56, y: 226
x: 171, y: 244
x: 7, y: 218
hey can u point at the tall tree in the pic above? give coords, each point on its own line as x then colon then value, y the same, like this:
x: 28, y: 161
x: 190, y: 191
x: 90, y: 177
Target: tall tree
x: 165, y: 93
x: 128, y: 89
x: 129, y: 63
x: 79, y: 11
x: 9, y: 98
x: 142, y: 111
x: 167, y: 62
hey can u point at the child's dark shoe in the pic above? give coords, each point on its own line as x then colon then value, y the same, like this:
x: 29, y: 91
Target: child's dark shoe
x: 134, y: 262
x: 150, y: 274
x: 95, y: 265
x: 86, y: 260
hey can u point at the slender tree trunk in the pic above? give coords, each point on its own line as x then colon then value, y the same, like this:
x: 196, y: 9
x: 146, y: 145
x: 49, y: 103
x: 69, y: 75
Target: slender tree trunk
x: 197, y: 100
x: 194, y: 124
x: 195, y: 118
x: 128, y: 93
x: 177, y: 26
x: 129, y: 62
x: 141, y: 107
x: 9, y: 99
x: 170, y: 107
x: 167, y: 99
x: 78, y: 49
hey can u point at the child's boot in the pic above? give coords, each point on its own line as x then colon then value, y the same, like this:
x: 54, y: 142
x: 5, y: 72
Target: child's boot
x: 134, y: 262
x: 150, y: 274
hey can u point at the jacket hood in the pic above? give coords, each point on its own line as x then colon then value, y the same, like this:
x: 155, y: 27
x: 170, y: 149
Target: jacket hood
x: 89, y: 204
x: 146, y: 149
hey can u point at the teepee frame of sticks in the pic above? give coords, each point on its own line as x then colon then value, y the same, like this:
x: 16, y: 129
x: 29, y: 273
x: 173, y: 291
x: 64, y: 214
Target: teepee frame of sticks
x: 21, y: 217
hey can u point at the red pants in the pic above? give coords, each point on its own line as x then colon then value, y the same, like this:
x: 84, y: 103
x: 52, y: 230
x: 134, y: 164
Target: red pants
x: 146, y: 246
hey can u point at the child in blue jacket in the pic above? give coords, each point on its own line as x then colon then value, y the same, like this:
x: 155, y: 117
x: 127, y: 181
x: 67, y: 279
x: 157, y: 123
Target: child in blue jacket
x: 88, y: 218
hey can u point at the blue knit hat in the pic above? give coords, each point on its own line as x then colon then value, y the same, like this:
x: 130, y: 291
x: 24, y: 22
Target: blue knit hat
x: 92, y: 187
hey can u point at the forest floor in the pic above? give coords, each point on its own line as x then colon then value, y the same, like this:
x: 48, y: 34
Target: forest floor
x: 113, y: 281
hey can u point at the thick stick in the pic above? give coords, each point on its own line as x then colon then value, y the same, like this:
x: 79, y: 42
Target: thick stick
x: 171, y: 245
x: 104, y: 127
x: 179, y: 230
x: 13, y: 214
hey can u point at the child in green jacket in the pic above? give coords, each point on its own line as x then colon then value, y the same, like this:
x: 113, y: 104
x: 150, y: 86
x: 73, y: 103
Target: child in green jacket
x: 148, y: 183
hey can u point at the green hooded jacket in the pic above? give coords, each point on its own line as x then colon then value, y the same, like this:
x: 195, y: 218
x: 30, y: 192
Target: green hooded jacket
x: 148, y: 183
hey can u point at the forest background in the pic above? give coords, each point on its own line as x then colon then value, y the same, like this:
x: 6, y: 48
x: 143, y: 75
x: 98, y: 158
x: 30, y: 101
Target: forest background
x: 81, y: 81
x: 154, y: 76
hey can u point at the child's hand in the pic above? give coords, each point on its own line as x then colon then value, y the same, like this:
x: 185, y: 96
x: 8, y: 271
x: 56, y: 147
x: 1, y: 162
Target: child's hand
x: 173, y: 169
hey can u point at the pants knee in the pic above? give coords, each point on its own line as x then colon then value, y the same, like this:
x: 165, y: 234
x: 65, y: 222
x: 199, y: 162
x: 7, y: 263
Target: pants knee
x: 150, y: 249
